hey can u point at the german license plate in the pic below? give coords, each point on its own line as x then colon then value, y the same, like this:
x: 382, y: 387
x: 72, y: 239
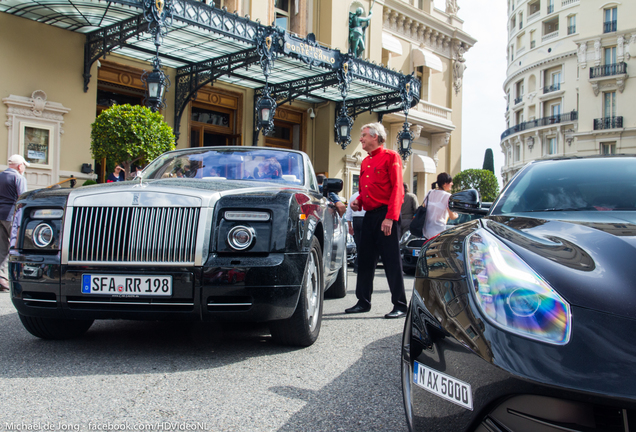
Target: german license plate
x: 442, y: 385
x: 416, y: 252
x: 127, y: 285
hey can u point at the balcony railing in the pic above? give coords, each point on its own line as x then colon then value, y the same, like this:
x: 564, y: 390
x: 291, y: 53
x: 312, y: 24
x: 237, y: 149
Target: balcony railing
x: 608, y: 123
x: 533, y: 15
x: 571, y: 29
x: 518, y: 100
x: 521, y: 50
x: 545, y: 121
x: 608, y: 70
x: 550, y: 36
x: 552, y: 88
x: 568, y: 2
x: 609, y: 26
x: 550, y: 9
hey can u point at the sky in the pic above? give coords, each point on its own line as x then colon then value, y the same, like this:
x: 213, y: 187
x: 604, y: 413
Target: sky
x: 483, y: 119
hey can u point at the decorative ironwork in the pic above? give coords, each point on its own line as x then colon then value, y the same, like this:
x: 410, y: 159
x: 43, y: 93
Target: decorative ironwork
x: 608, y: 70
x: 267, y: 47
x: 344, y: 123
x: 156, y: 84
x: 405, y: 137
x: 545, y: 121
x: 614, y: 122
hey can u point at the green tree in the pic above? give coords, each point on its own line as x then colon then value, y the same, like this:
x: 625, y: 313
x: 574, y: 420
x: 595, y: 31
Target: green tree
x: 126, y: 133
x: 482, y: 180
x: 489, y: 161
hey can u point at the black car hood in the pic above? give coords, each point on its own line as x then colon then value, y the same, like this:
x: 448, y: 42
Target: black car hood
x: 588, y: 257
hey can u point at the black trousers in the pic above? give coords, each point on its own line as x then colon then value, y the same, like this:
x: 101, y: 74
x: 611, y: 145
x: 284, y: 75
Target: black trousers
x: 373, y: 243
x: 357, y: 235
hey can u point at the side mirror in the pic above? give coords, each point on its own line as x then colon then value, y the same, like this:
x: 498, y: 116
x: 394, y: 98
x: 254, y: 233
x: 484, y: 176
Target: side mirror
x: 331, y: 185
x: 468, y: 202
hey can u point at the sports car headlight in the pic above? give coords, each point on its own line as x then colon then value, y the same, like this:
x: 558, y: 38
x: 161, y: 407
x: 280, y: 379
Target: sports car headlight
x: 42, y: 235
x: 512, y: 296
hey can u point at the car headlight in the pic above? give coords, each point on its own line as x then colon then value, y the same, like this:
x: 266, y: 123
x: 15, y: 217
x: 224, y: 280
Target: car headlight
x: 512, y: 296
x: 43, y: 235
x: 241, y: 237
x: 405, y: 236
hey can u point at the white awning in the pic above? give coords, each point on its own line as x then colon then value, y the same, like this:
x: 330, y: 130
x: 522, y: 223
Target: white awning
x: 424, y: 164
x: 424, y: 57
x: 391, y: 43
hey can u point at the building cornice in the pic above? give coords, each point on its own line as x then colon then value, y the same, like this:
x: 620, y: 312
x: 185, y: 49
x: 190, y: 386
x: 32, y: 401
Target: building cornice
x: 535, y: 65
x: 421, y: 28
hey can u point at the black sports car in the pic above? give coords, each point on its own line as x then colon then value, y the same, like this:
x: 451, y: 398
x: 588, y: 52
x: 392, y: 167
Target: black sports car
x: 215, y: 233
x: 410, y: 244
x: 524, y: 320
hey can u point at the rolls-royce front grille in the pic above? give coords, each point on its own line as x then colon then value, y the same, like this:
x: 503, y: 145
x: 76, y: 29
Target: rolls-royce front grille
x: 133, y: 234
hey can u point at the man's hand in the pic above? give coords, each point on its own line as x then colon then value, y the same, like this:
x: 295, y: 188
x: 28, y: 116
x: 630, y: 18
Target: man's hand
x: 355, y: 205
x: 350, y: 228
x: 387, y: 224
x: 341, y: 208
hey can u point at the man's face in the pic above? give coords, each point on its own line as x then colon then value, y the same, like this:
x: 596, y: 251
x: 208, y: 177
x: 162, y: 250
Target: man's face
x: 369, y: 143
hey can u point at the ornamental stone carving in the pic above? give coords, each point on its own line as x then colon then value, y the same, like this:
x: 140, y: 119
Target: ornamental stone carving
x: 582, y: 54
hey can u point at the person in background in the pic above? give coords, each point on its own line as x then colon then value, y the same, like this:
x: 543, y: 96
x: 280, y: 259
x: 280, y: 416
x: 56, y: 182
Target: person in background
x: 333, y: 197
x: 136, y: 170
x: 117, y: 175
x: 409, y: 207
x: 437, y: 211
x: 381, y: 195
x: 354, y: 219
x: 12, y: 185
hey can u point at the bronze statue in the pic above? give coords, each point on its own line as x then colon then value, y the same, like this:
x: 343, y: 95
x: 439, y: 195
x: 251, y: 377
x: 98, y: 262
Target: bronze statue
x: 357, y: 26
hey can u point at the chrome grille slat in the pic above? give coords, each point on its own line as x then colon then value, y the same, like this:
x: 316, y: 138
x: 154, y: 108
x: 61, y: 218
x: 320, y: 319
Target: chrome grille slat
x: 134, y: 235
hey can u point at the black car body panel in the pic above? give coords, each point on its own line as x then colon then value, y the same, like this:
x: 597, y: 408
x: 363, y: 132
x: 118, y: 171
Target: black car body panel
x: 180, y: 229
x: 504, y: 380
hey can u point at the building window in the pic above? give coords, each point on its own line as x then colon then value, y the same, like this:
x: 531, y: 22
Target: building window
x: 551, y: 146
x: 550, y: 6
x: 551, y: 26
x: 609, y: 21
x: 213, y: 118
x: 289, y: 129
x: 519, y: 117
x: 281, y: 11
x: 610, y: 55
x: 520, y: 90
x: 520, y: 20
x: 571, y: 24
x: 517, y: 152
x: 608, y: 148
x: 424, y: 75
x: 533, y: 41
x: 609, y: 104
x: 534, y: 7
x: 555, y: 110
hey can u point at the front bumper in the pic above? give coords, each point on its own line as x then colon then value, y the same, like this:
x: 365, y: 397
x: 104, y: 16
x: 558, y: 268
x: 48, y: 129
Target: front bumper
x: 263, y: 288
x: 516, y: 384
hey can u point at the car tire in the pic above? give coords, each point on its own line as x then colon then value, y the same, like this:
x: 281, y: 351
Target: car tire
x: 54, y: 328
x: 409, y: 271
x: 339, y: 287
x: 407, y: 371
x: 303, y: 327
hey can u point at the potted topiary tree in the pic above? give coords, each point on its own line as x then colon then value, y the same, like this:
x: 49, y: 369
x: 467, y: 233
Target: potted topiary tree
x: 482, y: 180
x: 128, y: 133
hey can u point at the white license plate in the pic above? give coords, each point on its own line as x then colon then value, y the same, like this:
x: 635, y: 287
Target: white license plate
x: 127, y: 285
x: 442, y: 385
x: 416, y: 252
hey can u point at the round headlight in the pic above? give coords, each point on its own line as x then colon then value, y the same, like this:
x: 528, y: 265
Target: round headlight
x: 241, y: 237
x: 42, y: 235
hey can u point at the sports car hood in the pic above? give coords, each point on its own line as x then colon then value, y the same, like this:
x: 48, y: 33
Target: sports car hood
x: 588, y: 257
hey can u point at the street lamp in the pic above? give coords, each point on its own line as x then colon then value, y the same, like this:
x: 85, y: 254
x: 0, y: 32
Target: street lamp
x: 158, y: 13
x: 156, y: 83
x: 405, y: 139
x: 343, y: 127
x: 265, y: 112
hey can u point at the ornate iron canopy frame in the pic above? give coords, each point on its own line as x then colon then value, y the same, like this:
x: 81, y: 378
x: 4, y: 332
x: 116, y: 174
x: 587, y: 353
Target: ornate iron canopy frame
x: 207, y: 44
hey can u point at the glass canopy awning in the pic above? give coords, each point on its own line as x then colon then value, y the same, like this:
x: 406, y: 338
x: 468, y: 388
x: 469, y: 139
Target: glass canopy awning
x: 207, y: 44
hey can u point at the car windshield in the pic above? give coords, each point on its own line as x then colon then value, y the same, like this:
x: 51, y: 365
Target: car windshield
x: 594, y: 184
x: 207, y: 164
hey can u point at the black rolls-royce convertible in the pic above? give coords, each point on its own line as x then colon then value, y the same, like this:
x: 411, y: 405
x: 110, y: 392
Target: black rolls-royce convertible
x: 525, y: 319
x: 214, y: 233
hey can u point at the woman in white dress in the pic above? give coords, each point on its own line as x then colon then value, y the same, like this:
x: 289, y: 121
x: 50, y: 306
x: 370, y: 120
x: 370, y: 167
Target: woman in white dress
x: 436, y: 203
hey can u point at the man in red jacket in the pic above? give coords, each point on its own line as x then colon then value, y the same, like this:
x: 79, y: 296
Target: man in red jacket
x: 381, y: 195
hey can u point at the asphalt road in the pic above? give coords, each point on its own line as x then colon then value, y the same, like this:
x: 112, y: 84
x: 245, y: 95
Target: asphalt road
x: 136, y: 376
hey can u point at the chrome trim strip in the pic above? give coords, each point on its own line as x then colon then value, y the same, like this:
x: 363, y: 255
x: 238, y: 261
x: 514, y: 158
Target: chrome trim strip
x: 230, y: 304
x: 132, y: 263
x: 39, y: 300
x: 128, y: 303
